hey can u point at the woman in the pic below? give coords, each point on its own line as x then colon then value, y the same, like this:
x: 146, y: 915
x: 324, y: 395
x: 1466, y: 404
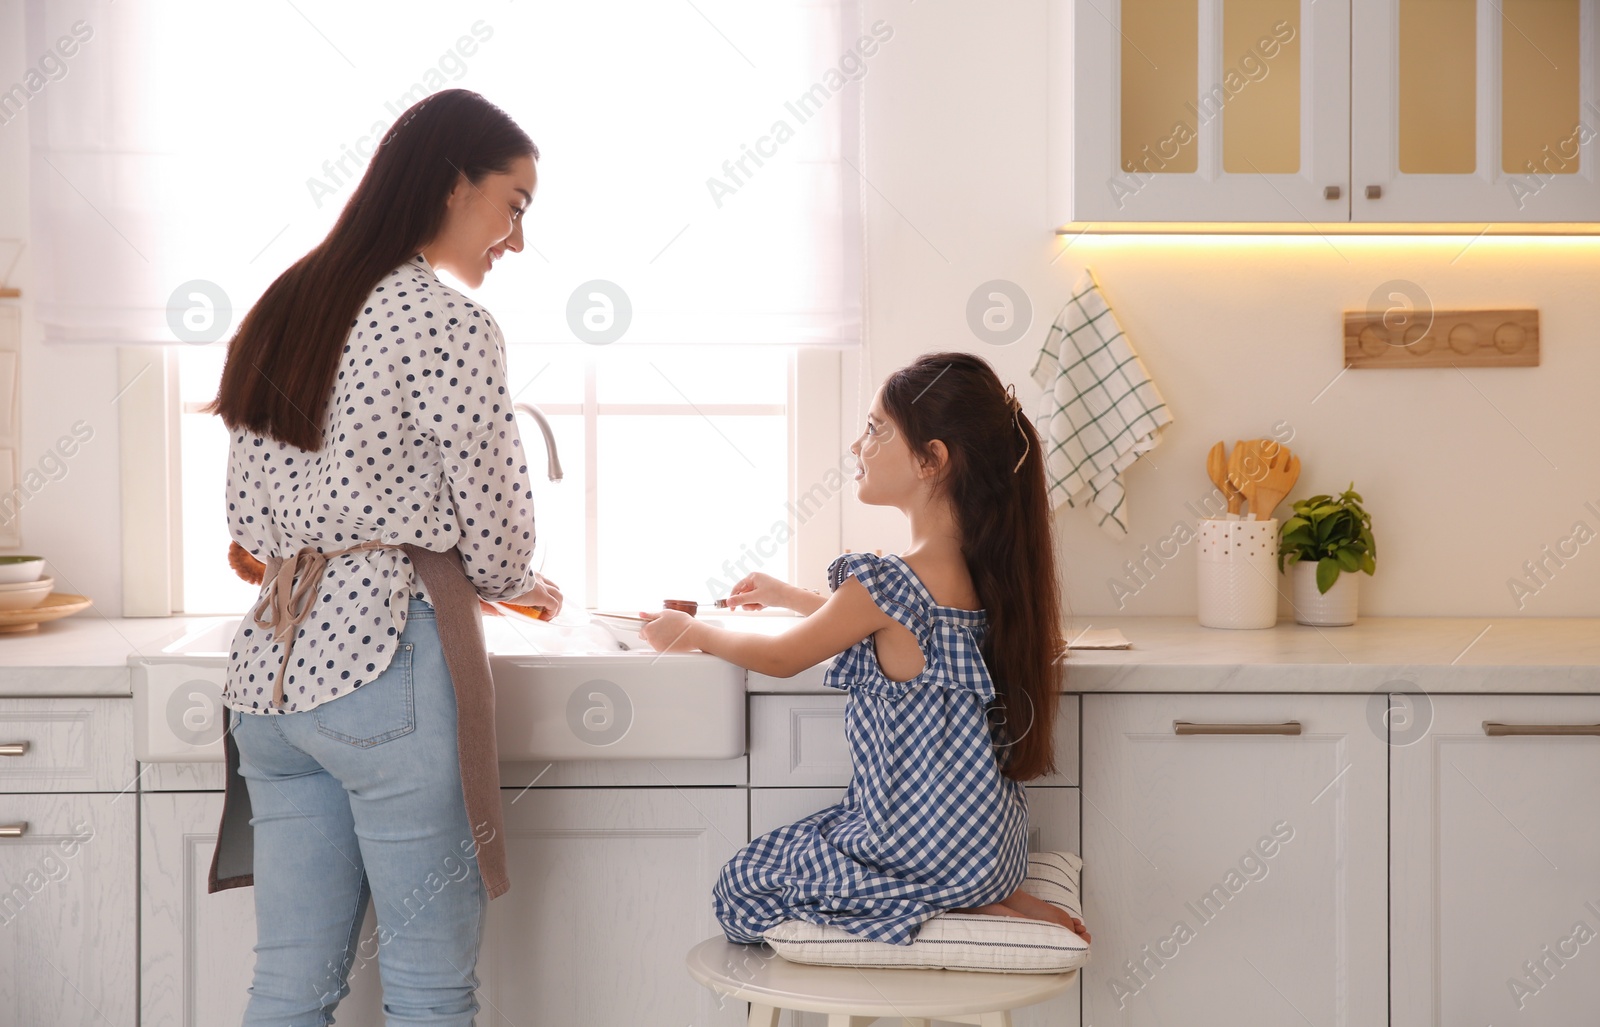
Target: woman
x: 377, y: 471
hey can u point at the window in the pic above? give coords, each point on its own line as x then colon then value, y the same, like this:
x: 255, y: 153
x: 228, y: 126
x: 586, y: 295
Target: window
x: 695, y: 446
x: 699, y: 157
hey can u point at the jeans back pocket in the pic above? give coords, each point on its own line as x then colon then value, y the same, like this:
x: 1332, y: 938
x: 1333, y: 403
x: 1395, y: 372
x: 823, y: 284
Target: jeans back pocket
x: 375, y: 711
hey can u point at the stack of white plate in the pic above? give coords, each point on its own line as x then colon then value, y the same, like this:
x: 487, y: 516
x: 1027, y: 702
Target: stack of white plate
x: 23, y: 595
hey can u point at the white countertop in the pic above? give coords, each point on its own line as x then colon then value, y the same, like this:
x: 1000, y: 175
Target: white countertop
x: 88, y: 654
x: 85, y: 654
x: 1434, y: 654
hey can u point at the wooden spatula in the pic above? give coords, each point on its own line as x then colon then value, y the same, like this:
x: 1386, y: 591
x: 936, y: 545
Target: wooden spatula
x: 1236, y: 478
x: 1281, y: 472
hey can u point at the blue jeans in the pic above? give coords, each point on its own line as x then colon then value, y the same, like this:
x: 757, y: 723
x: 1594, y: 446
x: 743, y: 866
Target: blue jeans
x: 361, y: 797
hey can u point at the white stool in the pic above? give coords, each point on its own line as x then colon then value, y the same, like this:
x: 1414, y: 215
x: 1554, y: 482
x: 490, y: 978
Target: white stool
x: 856, y: 996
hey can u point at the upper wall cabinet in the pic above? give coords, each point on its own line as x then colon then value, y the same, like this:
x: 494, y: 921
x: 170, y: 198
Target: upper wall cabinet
x: 1474, y: 110
x: 1293, y: 111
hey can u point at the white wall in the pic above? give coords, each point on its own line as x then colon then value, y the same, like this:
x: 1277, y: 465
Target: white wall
x: 73, y: 522
x: 1467, y: 475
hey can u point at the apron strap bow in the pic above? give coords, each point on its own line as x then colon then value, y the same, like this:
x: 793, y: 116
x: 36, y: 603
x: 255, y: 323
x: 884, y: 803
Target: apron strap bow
x: 289, y: 593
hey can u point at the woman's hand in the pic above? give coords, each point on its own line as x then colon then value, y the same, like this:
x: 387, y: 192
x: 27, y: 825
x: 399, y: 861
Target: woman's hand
x: 670, y: 631
x: 546, y: 594
x: 758, y: 591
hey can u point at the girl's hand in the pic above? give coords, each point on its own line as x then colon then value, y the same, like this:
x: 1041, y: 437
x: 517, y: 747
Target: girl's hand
x: 758, y: 591
x: 670, y: 631
x: 546, y: 594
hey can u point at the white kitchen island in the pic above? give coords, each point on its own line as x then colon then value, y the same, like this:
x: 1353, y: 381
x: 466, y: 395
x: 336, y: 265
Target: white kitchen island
x: 1337, y: 840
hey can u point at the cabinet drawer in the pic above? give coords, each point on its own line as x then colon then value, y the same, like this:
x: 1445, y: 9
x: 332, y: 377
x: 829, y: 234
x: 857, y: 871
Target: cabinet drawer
x: 67, y: 745
x: 68, y: 910
x: 797, y: 741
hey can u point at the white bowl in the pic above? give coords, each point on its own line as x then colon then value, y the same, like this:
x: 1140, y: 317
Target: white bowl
x: 25, y: 595
x: 18, y: 569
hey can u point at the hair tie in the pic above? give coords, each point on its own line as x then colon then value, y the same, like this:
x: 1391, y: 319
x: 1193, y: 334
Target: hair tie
x: 1016, y: 417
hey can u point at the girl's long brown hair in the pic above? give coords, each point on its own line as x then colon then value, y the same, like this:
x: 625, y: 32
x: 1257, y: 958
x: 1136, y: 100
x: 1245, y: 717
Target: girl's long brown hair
x: 283, y: 359
x: 1004, y: 518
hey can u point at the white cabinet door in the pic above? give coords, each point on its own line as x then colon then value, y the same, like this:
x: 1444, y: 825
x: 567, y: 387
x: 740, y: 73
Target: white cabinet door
x: 197, y: 951
x: 610, y: 889
x: 1200, y: 110
x: 67, y: 910
x: 772, y: 808
x: 1495, y: 865
x: 1234, y: 878
x: 1474, y: 110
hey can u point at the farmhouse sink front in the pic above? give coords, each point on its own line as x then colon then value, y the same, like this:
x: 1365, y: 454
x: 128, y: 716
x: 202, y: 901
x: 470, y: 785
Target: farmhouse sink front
x: 620, y: 705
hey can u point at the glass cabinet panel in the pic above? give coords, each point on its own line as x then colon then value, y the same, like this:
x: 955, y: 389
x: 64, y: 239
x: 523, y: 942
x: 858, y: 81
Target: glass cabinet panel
x: 1438, y: 73
x: 1160, y: 86
x: 1539, y: 87
x: 1260, y: 85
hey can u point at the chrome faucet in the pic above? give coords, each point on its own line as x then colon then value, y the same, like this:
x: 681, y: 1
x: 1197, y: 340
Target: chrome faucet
x: 549, y: 436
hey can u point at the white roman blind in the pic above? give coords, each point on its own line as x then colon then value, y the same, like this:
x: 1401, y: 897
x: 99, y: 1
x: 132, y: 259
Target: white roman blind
x: 698, y: 182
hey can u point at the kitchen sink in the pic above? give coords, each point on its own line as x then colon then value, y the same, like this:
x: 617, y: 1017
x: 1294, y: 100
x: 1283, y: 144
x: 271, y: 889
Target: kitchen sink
x: 602, y: 704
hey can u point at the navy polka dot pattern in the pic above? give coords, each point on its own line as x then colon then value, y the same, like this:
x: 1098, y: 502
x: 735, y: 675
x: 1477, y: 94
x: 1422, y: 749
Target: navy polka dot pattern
x: 421, y: 446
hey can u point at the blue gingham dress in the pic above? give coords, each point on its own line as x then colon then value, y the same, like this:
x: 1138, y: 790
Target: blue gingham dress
x: 928, y: 822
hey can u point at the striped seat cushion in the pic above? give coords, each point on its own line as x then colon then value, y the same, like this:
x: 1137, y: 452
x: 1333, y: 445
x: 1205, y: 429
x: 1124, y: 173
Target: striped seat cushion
x: 961, y: 941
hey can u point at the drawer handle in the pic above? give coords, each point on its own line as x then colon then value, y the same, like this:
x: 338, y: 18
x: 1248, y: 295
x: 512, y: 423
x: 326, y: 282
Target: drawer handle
x: 13, y: 748
x: 1494, y: 729
x: 1184, y: 727
x: 13, y: 830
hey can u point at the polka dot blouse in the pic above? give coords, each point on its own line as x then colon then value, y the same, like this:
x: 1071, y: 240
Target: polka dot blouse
x: 420, y: 446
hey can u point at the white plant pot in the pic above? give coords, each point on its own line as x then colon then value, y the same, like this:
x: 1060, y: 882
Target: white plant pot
x: 1335, y: 609
x: 1238, y: 573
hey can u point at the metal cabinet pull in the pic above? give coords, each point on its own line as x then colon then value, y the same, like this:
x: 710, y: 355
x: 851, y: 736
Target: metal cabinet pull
x: 13, y: 830
x: 1184, y: 727
x: 13, y: 748
x: 1374, y: 192
x: 1331, y: 192
x: 1495, y: 729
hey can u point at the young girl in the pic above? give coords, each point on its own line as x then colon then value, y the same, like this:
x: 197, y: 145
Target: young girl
x: 935, y: 816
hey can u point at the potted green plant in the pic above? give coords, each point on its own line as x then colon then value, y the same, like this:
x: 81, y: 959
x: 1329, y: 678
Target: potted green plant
x: 1326, y: 536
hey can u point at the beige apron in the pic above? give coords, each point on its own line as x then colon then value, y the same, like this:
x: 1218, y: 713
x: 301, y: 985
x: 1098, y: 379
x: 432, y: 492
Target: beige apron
x: 455, y: 604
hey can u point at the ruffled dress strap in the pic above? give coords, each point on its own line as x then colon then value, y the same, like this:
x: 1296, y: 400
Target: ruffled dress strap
x: 950, y: 638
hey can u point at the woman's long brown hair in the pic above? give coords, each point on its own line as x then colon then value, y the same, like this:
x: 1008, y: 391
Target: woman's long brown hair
x: 283, y: 359
x: 1004, y: 518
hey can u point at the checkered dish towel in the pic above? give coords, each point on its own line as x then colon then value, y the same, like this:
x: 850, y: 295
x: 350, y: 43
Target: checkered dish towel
x: 1100, y: 410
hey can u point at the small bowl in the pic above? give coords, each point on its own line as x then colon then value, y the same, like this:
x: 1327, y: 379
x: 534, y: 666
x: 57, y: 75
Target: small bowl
x: 689, y: 606
x: 25, y: 595
x: 15, y: 569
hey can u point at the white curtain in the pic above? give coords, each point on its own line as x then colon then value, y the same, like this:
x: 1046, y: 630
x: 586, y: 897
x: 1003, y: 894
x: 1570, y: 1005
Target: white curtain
x: 700, y: 156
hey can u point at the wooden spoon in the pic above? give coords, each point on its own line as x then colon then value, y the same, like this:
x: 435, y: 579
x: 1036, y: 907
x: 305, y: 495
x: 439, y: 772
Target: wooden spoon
x: 1217, y: 468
